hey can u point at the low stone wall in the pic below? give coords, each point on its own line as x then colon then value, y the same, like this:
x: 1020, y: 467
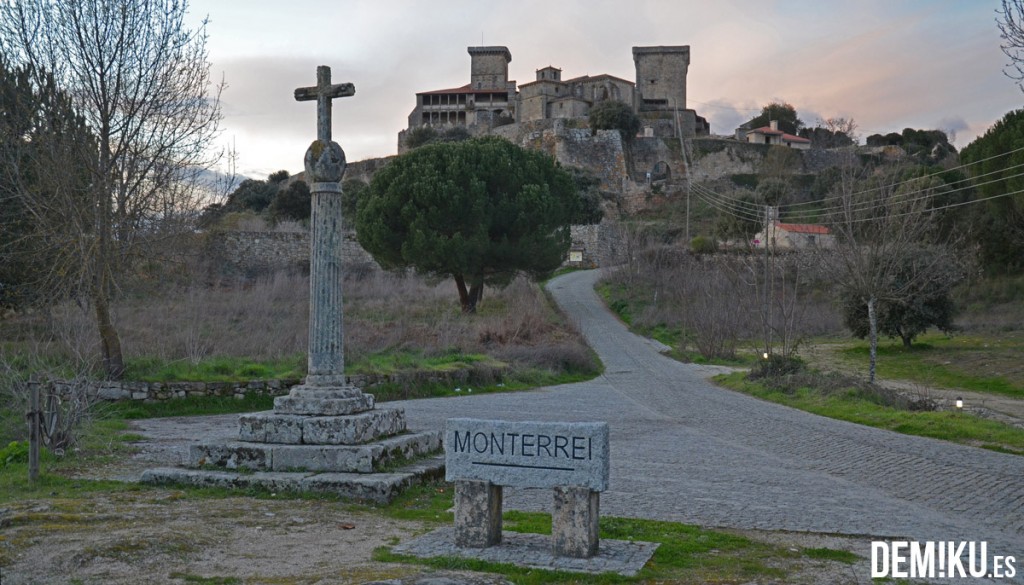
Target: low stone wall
x: 159, y: 391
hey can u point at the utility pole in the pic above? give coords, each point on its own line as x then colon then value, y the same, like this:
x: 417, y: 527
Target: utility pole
x: 766, y: 308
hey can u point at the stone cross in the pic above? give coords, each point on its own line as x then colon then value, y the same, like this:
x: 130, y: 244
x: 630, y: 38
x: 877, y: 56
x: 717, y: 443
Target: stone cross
x: 323, y: 92
x: 325, y: 165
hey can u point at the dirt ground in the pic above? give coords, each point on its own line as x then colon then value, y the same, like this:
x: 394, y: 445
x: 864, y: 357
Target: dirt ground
x: 169, y: 537
x: 162, y: 537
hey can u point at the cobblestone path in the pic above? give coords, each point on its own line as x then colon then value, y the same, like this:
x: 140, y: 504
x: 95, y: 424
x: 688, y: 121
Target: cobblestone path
x: 685, y: 450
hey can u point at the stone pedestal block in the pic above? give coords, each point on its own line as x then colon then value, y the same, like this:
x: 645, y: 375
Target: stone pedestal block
x: 353, y: 429
x: 574, y: 522
x: 477, y: 514
x: 268, y: 427
x: 323, y: 406
x: 326, y: 392
x: 365, y: 458
x: 294, y: 429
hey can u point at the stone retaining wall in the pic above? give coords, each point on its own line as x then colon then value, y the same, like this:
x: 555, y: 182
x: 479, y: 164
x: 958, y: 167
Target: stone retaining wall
x: 159, y: 391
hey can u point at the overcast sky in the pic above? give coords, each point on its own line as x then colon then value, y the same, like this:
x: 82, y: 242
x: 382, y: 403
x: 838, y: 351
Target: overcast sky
x: 888, y: 64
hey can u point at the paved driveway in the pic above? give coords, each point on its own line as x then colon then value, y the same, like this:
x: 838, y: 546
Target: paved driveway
x: 685, y: 450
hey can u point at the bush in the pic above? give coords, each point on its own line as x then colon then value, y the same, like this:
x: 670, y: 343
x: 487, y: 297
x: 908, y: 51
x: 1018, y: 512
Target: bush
x: 776, y: 366
x: 14, y: 452
x: 703, y: 245
x: 615, y: 115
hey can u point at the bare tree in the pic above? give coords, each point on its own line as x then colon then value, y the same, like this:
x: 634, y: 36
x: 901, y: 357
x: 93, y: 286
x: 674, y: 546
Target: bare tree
x: 880, y: 226
x: 140, y: 78
x: 1011, y: 29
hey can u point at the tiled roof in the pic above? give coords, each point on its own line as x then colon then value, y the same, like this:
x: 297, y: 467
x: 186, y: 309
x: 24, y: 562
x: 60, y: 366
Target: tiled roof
x: 466, y: 89
x: 785, y: 137
x: 803, y: 228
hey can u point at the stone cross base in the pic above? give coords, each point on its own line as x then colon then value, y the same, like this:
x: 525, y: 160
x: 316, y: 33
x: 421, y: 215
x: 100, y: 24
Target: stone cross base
x: 574, y: 519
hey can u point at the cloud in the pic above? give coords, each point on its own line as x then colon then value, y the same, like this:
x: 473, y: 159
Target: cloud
x: 887, y: 65
x: 952, y: 125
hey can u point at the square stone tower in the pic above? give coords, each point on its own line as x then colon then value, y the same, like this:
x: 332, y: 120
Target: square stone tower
x: 661, y: 77
x: 489, y: 69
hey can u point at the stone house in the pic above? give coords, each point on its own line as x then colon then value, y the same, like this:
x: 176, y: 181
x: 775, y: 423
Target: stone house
x: 794, y: 236
x: 772, y: 135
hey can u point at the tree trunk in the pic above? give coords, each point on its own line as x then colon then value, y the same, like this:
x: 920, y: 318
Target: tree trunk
x: 113, y: 361
x: 873, y: 323
x: 907, y: 339
x: 110, y: 343
x: 467, y: 298
x: 476, y: 294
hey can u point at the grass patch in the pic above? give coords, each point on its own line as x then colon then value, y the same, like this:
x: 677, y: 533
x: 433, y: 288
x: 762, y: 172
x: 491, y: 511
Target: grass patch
x: 687, y: 553
x: 215, y: 369
x: 407, y: 361
x: 194, y: 406
x: 831, y: 554
x: 851, y: 405
x: 989, y: 363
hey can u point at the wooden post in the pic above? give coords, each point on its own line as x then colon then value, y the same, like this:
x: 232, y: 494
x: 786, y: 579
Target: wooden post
x: 33, y: 432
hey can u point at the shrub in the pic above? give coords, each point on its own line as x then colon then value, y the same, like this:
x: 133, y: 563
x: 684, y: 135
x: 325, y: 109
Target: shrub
x: 703, y: 245
x: 776, y: 366
x: 615, y: 115
x: 14, y: 452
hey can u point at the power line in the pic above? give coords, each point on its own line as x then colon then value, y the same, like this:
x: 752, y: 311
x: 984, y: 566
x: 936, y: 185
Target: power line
x: 748, y: 209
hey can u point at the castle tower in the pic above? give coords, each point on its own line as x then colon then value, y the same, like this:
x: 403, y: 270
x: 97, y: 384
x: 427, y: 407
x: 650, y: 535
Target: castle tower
x: 661, y: 77
x: 489, y: 69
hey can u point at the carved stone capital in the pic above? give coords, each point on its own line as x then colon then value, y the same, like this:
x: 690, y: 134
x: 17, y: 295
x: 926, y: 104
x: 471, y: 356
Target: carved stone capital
x: 325, y: 163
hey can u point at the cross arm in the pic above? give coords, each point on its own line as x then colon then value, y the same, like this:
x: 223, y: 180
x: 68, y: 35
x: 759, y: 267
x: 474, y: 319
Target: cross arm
x: 337, y: 90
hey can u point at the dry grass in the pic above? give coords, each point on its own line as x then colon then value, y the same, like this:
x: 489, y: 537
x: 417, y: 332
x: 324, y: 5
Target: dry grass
x: 267, y: 319
x: 714, y: 304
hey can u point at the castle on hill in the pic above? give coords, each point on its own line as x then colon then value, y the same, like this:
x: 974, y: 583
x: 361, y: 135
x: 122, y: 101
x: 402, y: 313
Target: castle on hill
x: 490, y: 99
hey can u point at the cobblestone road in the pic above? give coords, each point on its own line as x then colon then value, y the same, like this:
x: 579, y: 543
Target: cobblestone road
x: 685, y: 450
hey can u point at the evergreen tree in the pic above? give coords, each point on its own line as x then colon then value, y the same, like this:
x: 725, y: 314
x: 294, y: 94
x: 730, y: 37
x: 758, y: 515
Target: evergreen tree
x: 479, y: 211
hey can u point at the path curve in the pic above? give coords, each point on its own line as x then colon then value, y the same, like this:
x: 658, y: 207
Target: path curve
x: 686, y: 450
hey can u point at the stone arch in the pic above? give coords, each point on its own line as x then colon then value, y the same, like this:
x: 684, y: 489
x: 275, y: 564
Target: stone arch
x: 661, y: 171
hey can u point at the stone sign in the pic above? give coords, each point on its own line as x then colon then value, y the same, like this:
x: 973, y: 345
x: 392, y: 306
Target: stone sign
x: 483, y: 456
x: 527, y: 454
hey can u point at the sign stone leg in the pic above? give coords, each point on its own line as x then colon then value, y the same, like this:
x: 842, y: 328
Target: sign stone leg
x: 574, y: 522
x: 477, y: 514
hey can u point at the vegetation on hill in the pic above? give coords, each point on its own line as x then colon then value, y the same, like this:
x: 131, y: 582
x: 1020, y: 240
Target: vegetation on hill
x: 615, y: 115
x: 994, y: 160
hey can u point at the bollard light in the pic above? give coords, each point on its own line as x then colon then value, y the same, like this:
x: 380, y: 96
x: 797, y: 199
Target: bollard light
x: 765, y: 354
x: 959, y: 404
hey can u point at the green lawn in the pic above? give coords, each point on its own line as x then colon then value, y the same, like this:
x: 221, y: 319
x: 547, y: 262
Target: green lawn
x: 688, y: 554
x: 992, y: 363
x: 853, y: 406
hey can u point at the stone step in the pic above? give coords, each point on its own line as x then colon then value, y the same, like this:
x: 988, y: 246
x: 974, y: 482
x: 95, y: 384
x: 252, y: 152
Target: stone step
x: 295, y: 429
x: 364, y: 458
x: 379, y: 488
x: 320, y: 406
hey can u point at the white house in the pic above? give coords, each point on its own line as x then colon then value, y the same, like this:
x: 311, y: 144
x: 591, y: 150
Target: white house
x: 794, y: 236
x: 772, y: 135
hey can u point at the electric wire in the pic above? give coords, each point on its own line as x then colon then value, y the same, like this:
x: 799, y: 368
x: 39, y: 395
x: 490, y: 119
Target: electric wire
x: 749, y: 209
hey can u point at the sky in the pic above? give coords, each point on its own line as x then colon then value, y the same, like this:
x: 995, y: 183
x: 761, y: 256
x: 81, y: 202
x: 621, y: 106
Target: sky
x: 888, y: 64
